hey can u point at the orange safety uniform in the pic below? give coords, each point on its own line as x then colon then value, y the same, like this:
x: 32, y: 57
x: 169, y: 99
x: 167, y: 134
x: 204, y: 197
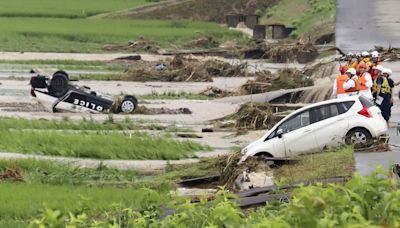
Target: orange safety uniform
x: 361, y: 82
x: 340, y: 80
x: 356, y: 88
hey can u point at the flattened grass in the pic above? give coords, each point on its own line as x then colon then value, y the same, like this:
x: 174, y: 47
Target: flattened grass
x: 98, y: 145
x: 67, y: 124
x: 326, y: 164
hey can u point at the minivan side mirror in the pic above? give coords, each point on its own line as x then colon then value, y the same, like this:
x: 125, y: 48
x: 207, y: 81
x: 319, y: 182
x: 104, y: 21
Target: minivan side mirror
x: 279, y: 133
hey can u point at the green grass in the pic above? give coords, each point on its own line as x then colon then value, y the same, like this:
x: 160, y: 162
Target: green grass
x: 100, y: 145
x: 326, y: 164
x: 312, y: 18
x: 84, y: 35
x: 172, y: 95
x: 62, y: 64
x: 101, y: 77
x: 62, y: 187
x: 64, y: 8
x: 47, y: 172
x: 67, y: 124
x: 20, y: 200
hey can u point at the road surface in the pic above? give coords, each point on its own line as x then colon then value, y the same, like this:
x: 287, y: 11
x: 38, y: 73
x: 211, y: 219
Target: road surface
x: 362, y: 24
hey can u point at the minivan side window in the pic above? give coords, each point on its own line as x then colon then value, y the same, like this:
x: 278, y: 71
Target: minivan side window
x: 343, y: 107
x: 296, y: 122
x: 324, y: 112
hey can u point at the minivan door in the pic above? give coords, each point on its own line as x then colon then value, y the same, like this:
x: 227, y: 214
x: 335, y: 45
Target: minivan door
x: 330, y: 124
x: 298, y: 137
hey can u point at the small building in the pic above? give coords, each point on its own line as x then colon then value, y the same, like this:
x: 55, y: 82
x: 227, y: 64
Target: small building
x: 280, y: 31
x: 251, y: 20
x: 232, y: 20
x: 259, y: 32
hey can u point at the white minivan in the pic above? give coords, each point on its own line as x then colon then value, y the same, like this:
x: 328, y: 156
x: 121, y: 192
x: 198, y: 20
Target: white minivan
x: 319, y: 126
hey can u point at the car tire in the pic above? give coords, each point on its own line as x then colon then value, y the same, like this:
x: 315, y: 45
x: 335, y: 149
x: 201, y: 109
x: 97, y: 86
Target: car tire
x: 128, y: 105
x: 58, y: 85
x: 358, y: 136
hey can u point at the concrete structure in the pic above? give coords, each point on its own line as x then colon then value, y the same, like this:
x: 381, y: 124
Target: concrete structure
x: 280, y: 31
x: 251, y: 20
x: 232, y: 20
x: 259, y: 32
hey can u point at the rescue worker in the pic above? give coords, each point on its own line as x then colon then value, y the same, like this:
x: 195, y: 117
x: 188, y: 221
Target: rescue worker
x: 352, y: 85
x: 341, y: 82
x: 366, y: 59
x: 392, y: 84
x: 364, y: 81
x: 356, y: 61
x: 349, y: 60
x: 375, y: 62
x: 382, y: 93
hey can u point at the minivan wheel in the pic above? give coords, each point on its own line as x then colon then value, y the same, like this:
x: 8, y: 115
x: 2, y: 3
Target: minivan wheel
x: 358, y: 136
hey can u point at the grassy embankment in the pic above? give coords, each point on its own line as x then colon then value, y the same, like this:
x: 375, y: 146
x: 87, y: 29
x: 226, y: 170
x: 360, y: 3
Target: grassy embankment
x: 64, y: 26
x: 312, y: 18
x: 95, y: 191
x: 22, y: 136
x: 85, y: 35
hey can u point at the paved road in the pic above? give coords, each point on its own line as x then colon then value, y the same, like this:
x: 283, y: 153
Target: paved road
x: 362, y: 24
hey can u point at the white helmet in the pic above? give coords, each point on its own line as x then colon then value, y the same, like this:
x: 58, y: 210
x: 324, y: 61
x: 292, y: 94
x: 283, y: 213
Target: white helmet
x: 387, y: 71
x: 374, y: 54
x: 379, y: 67
x: 364, y: 54
x: 352, y: 71
x: 350, y: 54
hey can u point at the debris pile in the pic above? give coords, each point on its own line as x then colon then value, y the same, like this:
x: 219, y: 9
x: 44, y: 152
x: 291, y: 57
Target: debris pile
x: 282, y: 53
x: 204, y: 42
x: 185, y: 69
x: 388, y: 54
x: 254, y: 116
x: 213, y: 91
x: 11, y: 174
x: 265, y: 81
x: 140, y: 45
x: 260, y: 84
x: 158, y: 111
x: 230, y: 171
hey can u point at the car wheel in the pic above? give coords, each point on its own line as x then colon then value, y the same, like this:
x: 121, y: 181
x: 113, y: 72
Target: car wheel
x: 128, y: 105
x: 358, y: 136
x: 58, y: 85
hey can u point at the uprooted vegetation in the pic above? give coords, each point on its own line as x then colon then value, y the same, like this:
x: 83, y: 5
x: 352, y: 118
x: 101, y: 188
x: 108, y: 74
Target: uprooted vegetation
x: 253, y: 116
x: 265, y: 81
x: 282, y: 52
x: 140, y: 45
x: 388, y: 54
x: 185, y: 69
